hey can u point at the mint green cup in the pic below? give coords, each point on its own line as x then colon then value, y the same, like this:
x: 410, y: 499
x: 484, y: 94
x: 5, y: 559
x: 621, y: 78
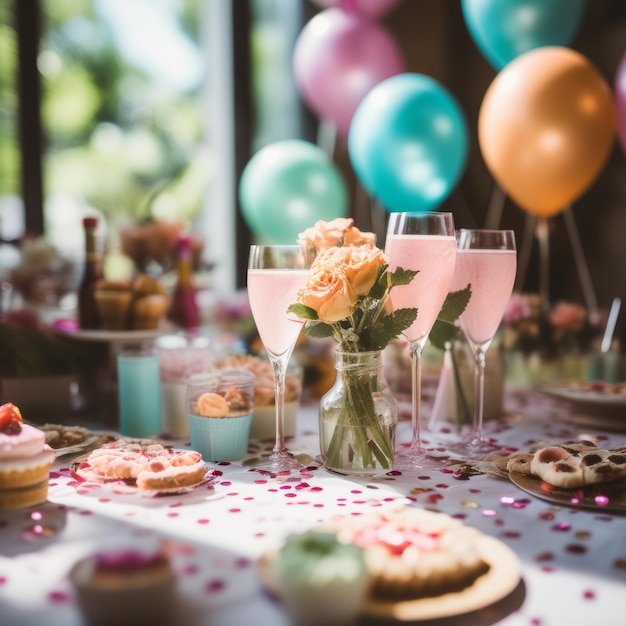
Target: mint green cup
x: 220, y: 439
x: 220, y: 435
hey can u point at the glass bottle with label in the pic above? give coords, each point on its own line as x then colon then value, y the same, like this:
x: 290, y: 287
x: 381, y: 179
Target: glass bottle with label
x: 184, y: 311
x: 88, y: 315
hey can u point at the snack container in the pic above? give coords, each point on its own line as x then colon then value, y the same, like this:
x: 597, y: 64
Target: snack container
x: 219, y: 410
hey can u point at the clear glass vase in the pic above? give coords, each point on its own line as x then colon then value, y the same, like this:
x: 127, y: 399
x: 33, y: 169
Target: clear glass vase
x: 358, y: 417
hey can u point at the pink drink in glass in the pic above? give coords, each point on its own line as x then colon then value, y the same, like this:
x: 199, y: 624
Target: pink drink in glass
x: 271, y: 292
x: 491, y: 274
x: 434, y: 257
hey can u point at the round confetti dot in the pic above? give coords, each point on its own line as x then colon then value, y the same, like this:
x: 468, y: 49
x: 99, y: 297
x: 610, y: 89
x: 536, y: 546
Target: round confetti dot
x: 576, y: 548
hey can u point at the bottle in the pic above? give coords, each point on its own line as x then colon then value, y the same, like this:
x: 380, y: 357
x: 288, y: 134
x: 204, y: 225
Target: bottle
x: 184, y: 311
x: 88, y: 315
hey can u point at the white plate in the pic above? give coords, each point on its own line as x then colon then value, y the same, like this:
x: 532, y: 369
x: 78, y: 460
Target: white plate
x: 113, y: 336
x: 590, y: 408
x: 607, y: 497
x: 501, y: 580
x: 575, y: 394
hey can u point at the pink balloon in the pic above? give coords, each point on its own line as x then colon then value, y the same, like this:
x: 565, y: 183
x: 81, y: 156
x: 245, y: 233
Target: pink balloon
x: 620, y: 101
x: 369, y: 8
x: 338, y: 58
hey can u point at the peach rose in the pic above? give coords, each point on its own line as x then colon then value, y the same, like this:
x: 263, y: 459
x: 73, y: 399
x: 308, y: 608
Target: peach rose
x: 328, y: 291
x: 335, y: 233
x: 360, y: 264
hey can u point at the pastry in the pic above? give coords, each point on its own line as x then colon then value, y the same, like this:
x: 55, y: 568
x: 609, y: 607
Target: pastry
x: 413, y: 553
x: 129, y: 585
x: 148, y: 311
x: 572, y: 465
x: 113, y: 299
x: 321, y: 580
x: 25, y: 461
x: 143, y: 463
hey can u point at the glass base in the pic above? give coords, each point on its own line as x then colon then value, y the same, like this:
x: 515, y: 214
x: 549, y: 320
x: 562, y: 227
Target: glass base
x: 473, y: 450
x: 279, y: 462
x: 415, y: 457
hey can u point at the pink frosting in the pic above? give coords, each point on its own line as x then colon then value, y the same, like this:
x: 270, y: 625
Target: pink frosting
x: 28, y: 442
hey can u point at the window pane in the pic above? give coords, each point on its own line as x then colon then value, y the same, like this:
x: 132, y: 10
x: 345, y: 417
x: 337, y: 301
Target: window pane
x: 121, y: 112
x: 11, y: 217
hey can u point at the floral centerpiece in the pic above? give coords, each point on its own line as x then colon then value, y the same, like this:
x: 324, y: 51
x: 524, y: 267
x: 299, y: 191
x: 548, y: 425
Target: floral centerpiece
x: 535, y: 336
x: 30, y: 348
x: 38, y: 366
x: 347, y: 297
x: 562, y: 328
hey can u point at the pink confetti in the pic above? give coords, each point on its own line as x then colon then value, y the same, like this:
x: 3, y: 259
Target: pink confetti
x: 576, y: 548
x: 58, y: 596
x: 214, y: 586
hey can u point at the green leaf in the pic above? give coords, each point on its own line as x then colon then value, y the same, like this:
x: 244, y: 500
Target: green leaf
x: 400, y: 276
x: 443, y: 332
x: 455, y: 304
x: 444, y: 329
x: 390, y: 326
x: 318, y: 330
x: 303, y: 312
x: 380, y: 286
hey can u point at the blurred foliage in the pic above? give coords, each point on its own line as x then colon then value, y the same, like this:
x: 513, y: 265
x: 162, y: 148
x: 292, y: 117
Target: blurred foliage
x: 115, y: 137
x: 9, y: 156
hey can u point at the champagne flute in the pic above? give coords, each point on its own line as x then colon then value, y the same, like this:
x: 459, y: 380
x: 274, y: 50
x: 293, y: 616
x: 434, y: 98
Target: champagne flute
x: 275, y: 274
x: 487, y: 260
x: 424, y: 242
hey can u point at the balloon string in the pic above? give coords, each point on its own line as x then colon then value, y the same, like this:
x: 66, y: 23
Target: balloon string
x: 496, y: 207
x: 525, y: 250
x: 327, y: 138
x: 543, y: 239
x: 581, y: 265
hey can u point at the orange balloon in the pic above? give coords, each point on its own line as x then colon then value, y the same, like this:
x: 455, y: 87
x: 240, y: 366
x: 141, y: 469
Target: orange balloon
x: 546, y: 127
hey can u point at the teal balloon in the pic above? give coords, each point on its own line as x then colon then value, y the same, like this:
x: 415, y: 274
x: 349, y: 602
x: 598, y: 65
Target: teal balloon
x: 505, y: 29
x: 408, y: 143
x: 286, y: 187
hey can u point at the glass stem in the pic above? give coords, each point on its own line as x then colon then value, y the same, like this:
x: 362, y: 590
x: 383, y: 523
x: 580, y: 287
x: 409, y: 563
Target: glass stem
x: 416, y: 393
x: 479, y: 391
x: 279, y: 363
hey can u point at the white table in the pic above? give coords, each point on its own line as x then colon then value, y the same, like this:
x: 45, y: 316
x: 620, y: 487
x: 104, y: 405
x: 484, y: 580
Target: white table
x: 573, y: 562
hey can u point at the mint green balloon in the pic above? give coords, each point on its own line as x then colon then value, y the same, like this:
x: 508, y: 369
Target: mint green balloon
x: 286, y: 187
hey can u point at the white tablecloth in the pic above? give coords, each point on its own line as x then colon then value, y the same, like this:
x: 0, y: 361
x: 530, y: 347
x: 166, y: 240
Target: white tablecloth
x: 573, y: 562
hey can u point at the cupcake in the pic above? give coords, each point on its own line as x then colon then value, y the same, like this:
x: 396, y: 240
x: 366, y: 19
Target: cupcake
x: 113, y: 299
x: 127, y: 585
x: 148, y: 311
x: 320, y: 580
x: 219, y: 410
x: 25, y: 461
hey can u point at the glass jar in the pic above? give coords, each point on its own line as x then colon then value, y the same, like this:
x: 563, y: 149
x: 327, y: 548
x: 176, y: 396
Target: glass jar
x: 358, y: 417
